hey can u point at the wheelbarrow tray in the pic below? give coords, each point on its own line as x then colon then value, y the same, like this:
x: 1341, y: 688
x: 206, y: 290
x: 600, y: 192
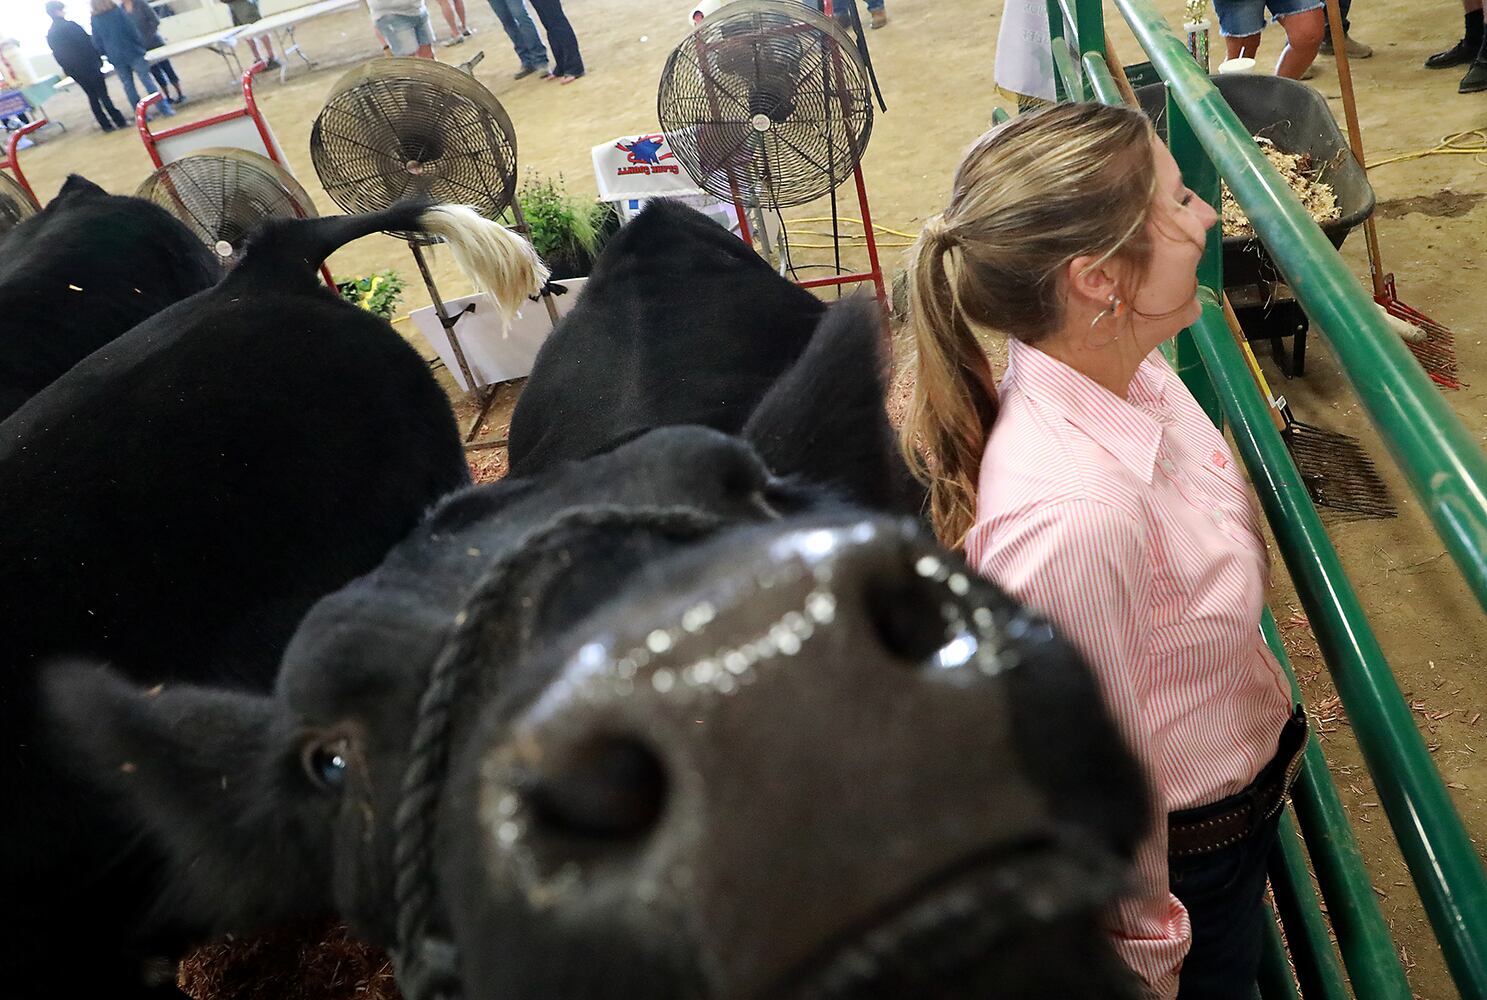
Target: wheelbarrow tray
x: 1296, y: 118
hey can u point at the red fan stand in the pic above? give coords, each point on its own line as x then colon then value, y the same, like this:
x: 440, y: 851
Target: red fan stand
x: 240, y: 128
x: 874, y: 273
x: 14, y: 164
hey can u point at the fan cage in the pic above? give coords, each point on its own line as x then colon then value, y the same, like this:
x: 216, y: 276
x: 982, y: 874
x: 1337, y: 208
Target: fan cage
x: 766, y: 102
x: 222, y: 195
x: 404, y: 128
x: 16, y: 203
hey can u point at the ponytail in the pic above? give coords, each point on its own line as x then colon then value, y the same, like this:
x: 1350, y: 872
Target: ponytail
x: 954, y: 402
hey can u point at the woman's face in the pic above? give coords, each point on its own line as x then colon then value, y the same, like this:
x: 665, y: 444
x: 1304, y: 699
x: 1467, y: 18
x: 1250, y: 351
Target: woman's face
x: 1166, y: 300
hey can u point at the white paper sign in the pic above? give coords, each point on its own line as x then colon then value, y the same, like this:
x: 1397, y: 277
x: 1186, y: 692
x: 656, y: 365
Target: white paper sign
x: 494, y: 356
x: 1024, y: 57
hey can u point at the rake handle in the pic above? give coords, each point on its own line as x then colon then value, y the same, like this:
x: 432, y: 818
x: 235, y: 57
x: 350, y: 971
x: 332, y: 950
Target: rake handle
x: 1237, y: 332
x: 1355, y: 137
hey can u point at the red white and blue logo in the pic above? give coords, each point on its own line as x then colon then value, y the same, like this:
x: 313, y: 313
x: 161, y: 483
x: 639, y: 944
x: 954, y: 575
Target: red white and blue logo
x: 646, y: 156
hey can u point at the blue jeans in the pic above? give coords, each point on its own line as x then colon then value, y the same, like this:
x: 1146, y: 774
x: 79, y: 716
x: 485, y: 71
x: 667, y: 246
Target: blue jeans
x: 140, y: 68
x: 523, y: 33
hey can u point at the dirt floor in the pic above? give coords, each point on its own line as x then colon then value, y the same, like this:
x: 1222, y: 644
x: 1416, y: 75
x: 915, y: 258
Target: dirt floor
x: 935, y: 64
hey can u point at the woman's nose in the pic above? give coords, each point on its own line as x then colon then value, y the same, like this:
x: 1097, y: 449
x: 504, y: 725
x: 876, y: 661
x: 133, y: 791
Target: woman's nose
x: 1207, y: 215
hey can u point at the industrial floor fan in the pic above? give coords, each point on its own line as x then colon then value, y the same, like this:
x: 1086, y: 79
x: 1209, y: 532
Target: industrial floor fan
x: 16, y: 204
x: 222, y: 195
x: 768, y: 104
x: 398, y: 128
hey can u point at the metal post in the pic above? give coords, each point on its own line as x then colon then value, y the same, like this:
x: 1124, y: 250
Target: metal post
x: 1199, y: 173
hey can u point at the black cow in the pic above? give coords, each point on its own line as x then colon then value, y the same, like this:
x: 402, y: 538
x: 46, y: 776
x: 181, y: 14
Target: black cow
x: 679, y: 323
x: 173, y: 505
x: 85, y: 269
x: 671, y: 721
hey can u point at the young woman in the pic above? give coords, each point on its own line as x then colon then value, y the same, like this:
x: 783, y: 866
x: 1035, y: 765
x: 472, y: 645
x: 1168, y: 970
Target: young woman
x: 147, y: 25
x: 404, y: 26
x: 115, y: 37
x: 1091, y: 486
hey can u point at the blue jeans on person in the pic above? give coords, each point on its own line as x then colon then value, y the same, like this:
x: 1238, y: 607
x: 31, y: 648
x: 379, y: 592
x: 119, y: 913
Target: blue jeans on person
x: 140, y: 69
x: 1223, y: 889
x: 523, y: 33
x: 1343, y: 6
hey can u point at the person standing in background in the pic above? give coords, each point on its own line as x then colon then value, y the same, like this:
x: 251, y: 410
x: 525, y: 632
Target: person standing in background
x: 246, y: 12
x: 115, y: 37
x: 523, y: 34
x: 1470, y: 52
x: 76, y: 56
x: 567, y: 63
x: 404, y: 25
x: 1356, y: 49
x: 147, y: 25
x: 454, y: 16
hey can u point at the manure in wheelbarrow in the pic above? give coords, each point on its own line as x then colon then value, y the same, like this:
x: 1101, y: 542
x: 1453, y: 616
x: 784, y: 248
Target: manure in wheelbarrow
x: 1302, y: 174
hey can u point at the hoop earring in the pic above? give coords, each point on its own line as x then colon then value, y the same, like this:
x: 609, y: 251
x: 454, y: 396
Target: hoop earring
x: 1115, y: 308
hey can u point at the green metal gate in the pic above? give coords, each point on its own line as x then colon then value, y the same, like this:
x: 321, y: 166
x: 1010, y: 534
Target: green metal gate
x: 1445, y: 470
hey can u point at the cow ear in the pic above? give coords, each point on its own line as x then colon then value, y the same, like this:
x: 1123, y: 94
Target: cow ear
x: 196, y: 770
x: 77, y: 185
x: 825, y: 420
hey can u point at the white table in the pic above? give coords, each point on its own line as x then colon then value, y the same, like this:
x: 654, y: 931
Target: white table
x: 219, y: 42
x: 286, y: 21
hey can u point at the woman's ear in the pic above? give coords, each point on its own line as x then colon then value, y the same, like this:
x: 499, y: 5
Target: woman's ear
x: 1092, y: 280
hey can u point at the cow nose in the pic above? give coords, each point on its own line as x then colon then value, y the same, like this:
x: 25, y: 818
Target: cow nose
x: 780, y: 739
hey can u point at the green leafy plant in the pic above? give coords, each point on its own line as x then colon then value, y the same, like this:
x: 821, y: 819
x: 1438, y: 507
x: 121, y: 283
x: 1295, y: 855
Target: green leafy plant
x: 376, y: 293
x: 564, y: 228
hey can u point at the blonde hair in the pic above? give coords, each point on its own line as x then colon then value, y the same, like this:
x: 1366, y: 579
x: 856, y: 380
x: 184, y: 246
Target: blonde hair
x: 1031, y: 196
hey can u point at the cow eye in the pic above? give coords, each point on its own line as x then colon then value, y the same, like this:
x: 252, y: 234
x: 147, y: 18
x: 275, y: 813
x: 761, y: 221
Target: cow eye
x: 325, y: 764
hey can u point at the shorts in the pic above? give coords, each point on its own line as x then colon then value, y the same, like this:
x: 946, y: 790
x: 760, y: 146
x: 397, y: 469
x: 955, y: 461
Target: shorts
x: 406, y: 33
x: 244, y: 11
x: 1242, y: 18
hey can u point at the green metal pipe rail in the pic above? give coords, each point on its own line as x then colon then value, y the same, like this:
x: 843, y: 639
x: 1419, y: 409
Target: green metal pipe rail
x: 1445, y: 470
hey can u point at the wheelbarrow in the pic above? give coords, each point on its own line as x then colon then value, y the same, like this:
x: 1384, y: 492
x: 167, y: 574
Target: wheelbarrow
x: 1296, y: 118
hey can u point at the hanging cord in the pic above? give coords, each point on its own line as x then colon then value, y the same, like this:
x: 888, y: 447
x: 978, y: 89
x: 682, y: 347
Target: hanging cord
x: 428, y: 967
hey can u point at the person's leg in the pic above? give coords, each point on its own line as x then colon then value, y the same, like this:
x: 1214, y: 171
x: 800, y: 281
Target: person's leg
x: 877, y: 15
x: 1303, y: 39
x: 1240, y: 22
x: 1224, y: 894
x: 447, y: 9
x: 97, y: 97
x: 141, y: 69
x: 1465, y: 50
x: 108, y: 105
x: 1356, y: 49
x: 567, y: 62
x: 459, y: 10
x: 423, y: 34
x: 157, y: 71
x: 529, y: 47
x: 1475, y: 80
x: 127, y: 79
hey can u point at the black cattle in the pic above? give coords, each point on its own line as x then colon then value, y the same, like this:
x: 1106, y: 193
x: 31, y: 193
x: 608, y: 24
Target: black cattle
x: 173, y: 505
x: 671, y: 721
x: 88, y: 267
x: 679, y: 323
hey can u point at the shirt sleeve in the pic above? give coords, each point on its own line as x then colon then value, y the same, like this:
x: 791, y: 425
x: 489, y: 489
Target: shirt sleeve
x: 1087, y: 566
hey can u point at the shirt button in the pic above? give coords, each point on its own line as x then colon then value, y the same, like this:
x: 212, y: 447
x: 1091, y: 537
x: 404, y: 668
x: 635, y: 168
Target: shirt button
x: 1168, y: 467
x: 1218, y: 517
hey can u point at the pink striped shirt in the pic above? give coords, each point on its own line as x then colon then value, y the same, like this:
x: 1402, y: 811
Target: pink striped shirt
x: 1127, y: 522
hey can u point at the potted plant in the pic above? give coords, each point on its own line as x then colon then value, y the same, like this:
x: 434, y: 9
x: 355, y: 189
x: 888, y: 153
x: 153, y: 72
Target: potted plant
x: 567, y: 232
x: 376, y: 293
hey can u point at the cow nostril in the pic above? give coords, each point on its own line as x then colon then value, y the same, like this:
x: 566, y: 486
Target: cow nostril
x: 611, y: 787
x: 907, y: 612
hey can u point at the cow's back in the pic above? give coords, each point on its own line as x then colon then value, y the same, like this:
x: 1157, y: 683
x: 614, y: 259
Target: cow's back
x: 173, y: 505
x: 680, y: 323
x: 86, y: 269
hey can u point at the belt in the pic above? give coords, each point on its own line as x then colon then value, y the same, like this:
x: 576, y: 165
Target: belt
x: 1212, y: 827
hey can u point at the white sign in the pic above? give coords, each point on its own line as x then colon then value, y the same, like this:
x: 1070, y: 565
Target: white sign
x: 494, y: 356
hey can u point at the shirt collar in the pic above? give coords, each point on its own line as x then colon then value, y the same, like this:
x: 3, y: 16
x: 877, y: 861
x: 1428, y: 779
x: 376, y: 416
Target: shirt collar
x: 1127, y: 429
